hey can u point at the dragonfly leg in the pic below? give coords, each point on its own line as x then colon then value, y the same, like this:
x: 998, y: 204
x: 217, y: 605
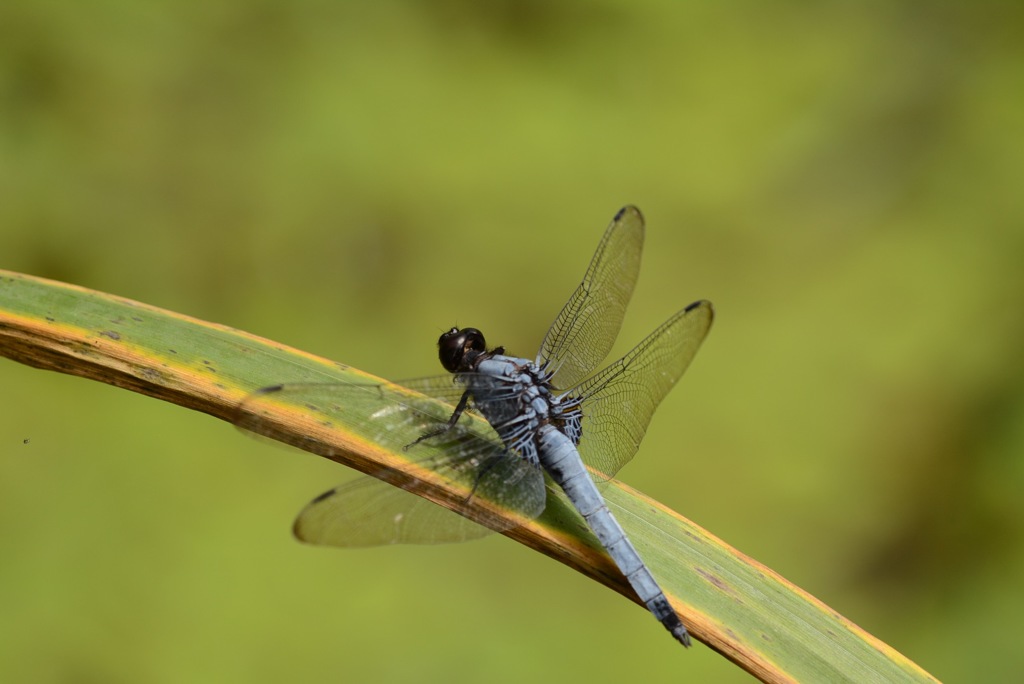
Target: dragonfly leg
x: 445, y: 427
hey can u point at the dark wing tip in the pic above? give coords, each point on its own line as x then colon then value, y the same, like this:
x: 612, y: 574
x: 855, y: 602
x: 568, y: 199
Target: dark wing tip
x: 298, y: 528
x: 628, y: 209
x: 326, y: 495
x: 701, y: 304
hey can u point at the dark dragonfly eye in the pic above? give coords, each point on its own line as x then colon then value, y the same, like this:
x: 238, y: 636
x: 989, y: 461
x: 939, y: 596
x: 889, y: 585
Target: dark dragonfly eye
x: 453, y: 345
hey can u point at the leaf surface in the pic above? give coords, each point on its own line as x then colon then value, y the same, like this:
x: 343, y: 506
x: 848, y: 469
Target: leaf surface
x: 743, y: 610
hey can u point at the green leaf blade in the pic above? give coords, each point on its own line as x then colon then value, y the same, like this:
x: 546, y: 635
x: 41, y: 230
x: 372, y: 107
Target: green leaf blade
x: 736, y: 606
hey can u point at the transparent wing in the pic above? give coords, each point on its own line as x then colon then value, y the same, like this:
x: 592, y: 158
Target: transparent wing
x: 469, y: 457
x: 371, y: 512
x: 585, y: 329
x: 619, y: 401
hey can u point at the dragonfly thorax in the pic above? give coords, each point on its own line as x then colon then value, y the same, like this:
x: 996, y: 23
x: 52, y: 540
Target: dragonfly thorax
x: 514, y: 396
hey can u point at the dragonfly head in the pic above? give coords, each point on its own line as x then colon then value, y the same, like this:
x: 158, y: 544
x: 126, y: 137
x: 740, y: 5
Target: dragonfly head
x: 458, y: 347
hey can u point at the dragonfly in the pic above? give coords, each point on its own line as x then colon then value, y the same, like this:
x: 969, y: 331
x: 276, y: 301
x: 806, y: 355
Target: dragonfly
x: 496, y: 424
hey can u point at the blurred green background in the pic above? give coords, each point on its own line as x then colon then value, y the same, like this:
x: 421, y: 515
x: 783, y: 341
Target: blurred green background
x: 842, y: 180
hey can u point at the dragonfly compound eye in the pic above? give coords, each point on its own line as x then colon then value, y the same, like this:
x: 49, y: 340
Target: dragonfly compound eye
x: 453, y: 345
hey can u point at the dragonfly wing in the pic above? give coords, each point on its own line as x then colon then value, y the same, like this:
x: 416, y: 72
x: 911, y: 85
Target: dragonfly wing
x: 372, y: 512
x: 485, y: 483
x: 619, y: 401
x: 585, y: 329
x: 391, y: 415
